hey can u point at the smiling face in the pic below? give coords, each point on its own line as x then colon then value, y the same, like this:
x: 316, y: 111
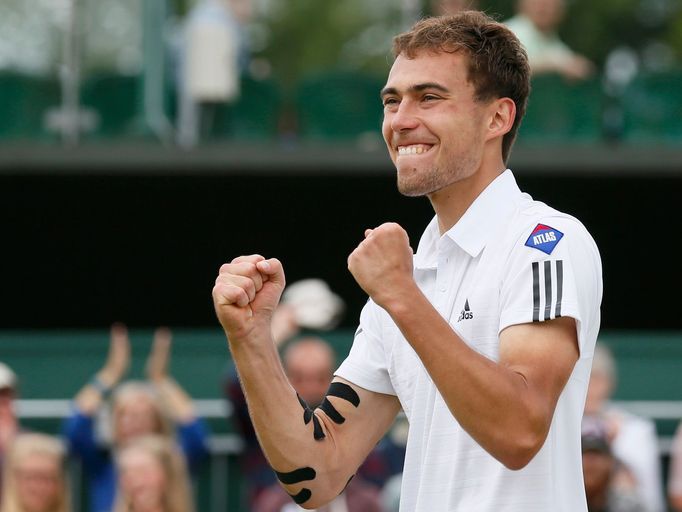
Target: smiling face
x: 143, y: 480
x: 433, y: 126
x: 134, y: 416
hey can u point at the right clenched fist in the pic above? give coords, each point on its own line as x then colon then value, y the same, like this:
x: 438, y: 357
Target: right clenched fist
x: 246, y: 293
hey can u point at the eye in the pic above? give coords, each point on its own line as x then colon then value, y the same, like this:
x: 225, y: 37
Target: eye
x: 430, y: 97
x: 390, y: 101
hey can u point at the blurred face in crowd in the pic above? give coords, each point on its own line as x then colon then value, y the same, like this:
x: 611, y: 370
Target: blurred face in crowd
x: 6, y: 402
x: 39, y: 482
x: 309, y: 368
x: 597, y: 468
x: 135, y: 415
x: 143, y: 480
x: 546, y: 15
x: 598, y: 391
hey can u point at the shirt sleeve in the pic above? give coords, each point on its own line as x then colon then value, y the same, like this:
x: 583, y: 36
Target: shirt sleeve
x: 193, y: 438
x: 79, y: 431
x: 367, y: 364
x: 554, y: 271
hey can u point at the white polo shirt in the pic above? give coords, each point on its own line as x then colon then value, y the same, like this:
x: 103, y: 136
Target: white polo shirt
x: 509, y: 260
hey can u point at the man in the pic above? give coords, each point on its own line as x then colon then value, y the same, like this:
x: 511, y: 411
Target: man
x: 610, y: 485
x: 634, y: 439
x: 536, y: 25
x: 484, y: 337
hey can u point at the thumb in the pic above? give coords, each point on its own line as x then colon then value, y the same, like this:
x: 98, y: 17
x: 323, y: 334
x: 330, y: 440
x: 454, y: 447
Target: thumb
x: 272, y: 270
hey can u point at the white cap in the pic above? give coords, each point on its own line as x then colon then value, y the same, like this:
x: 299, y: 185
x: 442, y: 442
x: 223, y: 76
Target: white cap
x: 315, y: 305
x: 7, y: 377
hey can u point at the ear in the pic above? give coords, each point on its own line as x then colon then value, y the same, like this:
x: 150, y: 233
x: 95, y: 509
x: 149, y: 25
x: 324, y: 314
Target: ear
x: 502, y: 113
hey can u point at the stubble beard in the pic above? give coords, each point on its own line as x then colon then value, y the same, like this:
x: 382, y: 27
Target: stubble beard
x: 416, y: 183
x: 413, y: 183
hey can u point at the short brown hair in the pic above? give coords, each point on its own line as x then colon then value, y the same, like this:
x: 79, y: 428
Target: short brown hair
x: 498, y: 64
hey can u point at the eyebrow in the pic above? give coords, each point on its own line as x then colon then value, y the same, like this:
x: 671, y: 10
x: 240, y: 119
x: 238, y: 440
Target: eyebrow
x: 386, y: 91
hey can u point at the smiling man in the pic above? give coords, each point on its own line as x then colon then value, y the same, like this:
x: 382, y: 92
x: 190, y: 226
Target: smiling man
x: 484, y: 337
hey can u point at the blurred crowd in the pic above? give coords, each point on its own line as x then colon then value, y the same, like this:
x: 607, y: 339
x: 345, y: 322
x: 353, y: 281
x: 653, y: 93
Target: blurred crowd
x: 141, y: 443
x: 183, y: 79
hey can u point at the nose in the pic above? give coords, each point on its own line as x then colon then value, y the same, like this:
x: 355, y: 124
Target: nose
x: 404, y: 118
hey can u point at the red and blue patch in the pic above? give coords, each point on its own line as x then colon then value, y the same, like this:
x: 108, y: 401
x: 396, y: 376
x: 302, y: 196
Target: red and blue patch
x: 544, y: 238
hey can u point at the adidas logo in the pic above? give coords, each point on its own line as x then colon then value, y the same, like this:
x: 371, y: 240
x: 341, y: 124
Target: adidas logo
x: 466, y: 313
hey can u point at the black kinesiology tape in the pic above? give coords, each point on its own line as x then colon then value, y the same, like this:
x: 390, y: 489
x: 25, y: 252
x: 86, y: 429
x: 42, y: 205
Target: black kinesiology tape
x: 309, y: 415
x: 340, y: 390
x: 297, y: 476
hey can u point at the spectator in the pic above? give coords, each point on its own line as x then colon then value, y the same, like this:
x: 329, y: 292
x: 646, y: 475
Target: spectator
x: 536, y: 26
x: 633, y: 438
x: 153, y: 477
x: 159, y: 406
x: 675, y: 476
x: 35, y: 479
x: 214, y: 55
x: 9, y: 425
x: 610, y: 486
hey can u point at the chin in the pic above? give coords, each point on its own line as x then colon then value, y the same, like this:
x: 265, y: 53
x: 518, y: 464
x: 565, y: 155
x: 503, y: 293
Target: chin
x: 418, y: 185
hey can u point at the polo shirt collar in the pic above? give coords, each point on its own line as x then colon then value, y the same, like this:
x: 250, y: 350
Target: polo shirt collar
x: 471, y: 233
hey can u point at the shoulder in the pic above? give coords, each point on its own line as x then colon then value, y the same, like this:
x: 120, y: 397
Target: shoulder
x: 541, y: 230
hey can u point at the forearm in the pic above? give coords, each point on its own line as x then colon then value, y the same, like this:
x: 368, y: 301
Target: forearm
x: 178, y: 402
x: 490, y: 401
x: 288, y: 438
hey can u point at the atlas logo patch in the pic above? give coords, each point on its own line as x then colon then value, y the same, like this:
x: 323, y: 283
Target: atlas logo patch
x: 544, y: 238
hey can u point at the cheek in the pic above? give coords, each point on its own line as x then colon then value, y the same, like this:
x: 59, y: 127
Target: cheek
x: 386, y: 130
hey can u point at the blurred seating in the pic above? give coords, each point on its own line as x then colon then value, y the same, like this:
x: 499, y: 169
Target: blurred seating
x: 117, y: 101
x: 255, y: 114
x: 24, y: 101
x: 561, y: 111
x: 339, y: 105
x: 652, y: 106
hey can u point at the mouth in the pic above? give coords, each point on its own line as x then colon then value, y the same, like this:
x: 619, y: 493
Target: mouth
x: 414, y: 149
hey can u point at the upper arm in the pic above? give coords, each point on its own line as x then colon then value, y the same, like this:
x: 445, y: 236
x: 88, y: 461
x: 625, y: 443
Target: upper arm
x: 357, y: 428
x: 544, y: 354
x: 550, y: 306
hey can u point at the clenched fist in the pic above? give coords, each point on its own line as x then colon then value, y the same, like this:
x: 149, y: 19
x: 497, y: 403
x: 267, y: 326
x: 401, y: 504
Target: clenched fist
x: 246, y: 294
x: 382, y: 263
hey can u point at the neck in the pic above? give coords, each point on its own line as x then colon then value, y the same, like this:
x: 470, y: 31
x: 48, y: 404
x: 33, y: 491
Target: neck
x: 451, y: 203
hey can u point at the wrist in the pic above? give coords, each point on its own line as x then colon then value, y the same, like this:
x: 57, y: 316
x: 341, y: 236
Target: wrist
x: 103, y: 385
x: 398, y: 298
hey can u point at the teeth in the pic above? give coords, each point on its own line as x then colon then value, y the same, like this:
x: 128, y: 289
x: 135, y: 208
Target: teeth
x: 416, y: 149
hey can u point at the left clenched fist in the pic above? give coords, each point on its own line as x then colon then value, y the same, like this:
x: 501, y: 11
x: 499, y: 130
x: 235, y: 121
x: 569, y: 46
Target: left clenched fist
x: 382, y: 263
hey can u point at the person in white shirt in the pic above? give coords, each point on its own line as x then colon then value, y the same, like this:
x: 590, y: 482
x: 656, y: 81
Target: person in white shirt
x: 536, y: 25
x: 484, y: 337
x: 633, y: 438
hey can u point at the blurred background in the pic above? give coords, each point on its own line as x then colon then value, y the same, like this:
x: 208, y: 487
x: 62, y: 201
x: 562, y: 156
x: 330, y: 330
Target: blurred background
x: 145, y: 142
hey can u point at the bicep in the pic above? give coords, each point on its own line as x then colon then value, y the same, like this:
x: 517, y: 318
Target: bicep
x: 544, y: 354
